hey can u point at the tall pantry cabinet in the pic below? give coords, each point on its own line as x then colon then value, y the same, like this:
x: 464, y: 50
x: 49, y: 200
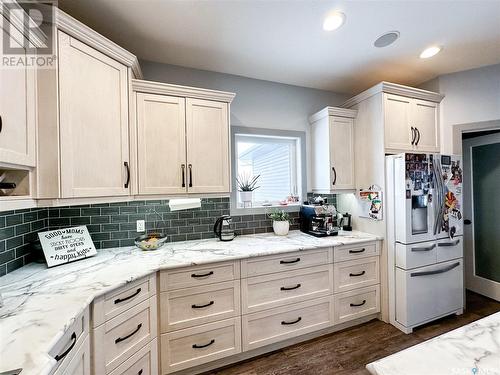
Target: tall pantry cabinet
x: 182, y: 139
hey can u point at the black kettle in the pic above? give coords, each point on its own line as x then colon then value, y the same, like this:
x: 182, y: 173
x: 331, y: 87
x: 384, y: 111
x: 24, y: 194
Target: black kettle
x: 223, y: 228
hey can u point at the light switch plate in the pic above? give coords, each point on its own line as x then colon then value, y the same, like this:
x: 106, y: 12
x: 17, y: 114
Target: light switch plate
x: 141, y: 225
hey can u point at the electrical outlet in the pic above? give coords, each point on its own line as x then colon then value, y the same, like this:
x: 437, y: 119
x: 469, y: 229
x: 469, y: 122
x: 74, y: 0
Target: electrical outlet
x: 141, y: 226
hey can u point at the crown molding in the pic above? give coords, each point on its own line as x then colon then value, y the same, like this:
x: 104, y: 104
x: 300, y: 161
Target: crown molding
x: 151, y: 87
x: 88, y: 36
x: 394, y: 88
x: 333, y: 111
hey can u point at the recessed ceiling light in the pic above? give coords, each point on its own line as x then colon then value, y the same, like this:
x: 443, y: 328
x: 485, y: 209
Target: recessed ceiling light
x: 386, y: 39
x: 429, y: 52
x: 333, y: 21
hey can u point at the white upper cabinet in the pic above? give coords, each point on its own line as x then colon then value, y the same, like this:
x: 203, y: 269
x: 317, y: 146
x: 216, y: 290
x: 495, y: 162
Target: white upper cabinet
x: 207, y: 146
x: 332, y: 150
x: 410, y: 124
x: 182, y: 139
x: 17, y: 106
x: 425, y: 119
x: 398, y: 135
x: 161, y: 144
x: 93, y: 115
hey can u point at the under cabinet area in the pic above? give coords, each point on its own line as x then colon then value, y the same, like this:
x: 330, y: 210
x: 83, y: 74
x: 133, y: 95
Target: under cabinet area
x: 332, y: 150
x: 182, y: 139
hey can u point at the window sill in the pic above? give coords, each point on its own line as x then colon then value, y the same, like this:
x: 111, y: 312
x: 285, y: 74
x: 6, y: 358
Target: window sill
x: 238, y: 211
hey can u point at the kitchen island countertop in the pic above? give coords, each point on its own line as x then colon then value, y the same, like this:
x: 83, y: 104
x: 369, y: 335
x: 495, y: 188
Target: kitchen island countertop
x: 40, y: 303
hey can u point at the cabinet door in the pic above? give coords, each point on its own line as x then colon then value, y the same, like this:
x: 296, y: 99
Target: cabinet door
x: 425, y: 118
x: 398, y: 134
x: 342, y: 153
x: 207, y: 146
x: 161, y: 136
x: 17, y: 106
x: 93, y: 115
x: 78, y: 363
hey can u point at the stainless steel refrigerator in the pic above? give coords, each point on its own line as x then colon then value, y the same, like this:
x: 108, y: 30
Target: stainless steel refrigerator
x: 424, y: 238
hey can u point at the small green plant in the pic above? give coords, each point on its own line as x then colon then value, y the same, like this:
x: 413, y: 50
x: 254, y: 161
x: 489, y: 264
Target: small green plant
x: 247, y: 183
x: 279, y: 215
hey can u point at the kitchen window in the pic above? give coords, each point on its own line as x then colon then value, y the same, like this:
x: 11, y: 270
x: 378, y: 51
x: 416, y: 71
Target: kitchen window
x: 274, y: 158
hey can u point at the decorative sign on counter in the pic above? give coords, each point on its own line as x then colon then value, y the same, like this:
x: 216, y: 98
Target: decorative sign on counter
x: 66, y: 245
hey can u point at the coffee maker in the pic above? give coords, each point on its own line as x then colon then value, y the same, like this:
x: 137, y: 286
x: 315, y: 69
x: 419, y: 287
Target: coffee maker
x: 320, y: 220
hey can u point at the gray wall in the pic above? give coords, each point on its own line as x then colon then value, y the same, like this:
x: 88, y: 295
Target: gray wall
x: 471, y: 96
x: 259, y: 104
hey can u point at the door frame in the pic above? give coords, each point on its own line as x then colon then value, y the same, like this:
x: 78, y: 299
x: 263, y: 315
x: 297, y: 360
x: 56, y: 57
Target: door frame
x: 475, y: 283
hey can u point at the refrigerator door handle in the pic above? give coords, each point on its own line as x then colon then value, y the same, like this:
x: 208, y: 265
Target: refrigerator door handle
x: 452, y: 243
x: 428, y: 248
x: 435, y: 272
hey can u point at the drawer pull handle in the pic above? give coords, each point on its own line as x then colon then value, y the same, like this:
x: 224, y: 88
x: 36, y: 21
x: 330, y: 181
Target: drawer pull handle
x: 357, y: 274
x: 357, y: 304
x: 120, y: 339
x: 291, y: 287
x: 196, y: 346
x: 356, y: 251
x: 294, y: 322
x: 428, y: 248
x: 119, y: 300
x: 435, y: 272
x: 454, y: 243
x: 203, y: 275
x: 202, y: 306
x: 289, y: 261
x: 65, y: 353
x: 140, y: 372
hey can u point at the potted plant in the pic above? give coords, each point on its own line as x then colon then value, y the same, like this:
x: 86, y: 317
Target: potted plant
x: 246, y: 186
x: 281, y: 222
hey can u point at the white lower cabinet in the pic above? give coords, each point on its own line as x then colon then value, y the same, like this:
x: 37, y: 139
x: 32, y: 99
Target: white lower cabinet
x: 356, y: 303
x: 194, y: 346
x: 143, y: 362
x: 270, y: 326
x: 79, y: 362
x: 426, y: 293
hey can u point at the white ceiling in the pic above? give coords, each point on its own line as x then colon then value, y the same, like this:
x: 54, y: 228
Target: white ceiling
x: 283, y: 41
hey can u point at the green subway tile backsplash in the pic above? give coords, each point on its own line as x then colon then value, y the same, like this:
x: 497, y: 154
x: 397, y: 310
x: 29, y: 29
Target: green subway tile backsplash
x: 114, y: 224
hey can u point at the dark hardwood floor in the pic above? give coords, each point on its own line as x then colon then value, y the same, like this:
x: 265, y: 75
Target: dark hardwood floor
x: 348, y: 351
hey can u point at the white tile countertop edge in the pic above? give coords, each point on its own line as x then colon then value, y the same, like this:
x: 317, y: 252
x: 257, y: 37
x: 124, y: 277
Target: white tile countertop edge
x: 40, y: 303
x: 471, y: 349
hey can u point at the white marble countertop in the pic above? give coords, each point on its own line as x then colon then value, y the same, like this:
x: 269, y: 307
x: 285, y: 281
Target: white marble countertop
x: 40, y: 303
x: 473, y: 349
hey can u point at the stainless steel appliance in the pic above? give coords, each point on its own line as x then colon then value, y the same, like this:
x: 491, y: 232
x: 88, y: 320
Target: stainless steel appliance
x: 424, y: 237
x: 223, y: 228
x: 320, y: 220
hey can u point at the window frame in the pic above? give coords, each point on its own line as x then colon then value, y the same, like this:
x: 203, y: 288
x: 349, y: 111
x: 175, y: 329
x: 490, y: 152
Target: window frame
x: 301, y: 167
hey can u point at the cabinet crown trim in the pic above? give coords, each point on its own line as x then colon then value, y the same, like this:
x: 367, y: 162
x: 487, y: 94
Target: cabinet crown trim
x: 152, y: 87
x: 333, y: 111
x: 88, y: 36
x: 394, y: 88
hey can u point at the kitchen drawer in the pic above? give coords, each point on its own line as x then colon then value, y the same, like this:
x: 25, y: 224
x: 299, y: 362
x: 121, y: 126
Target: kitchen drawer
x: 65, y: 348
x: 416, y: 255
x: 199, y: 275
x: 143, y: 362
x: 349, y: 252
x: 183, y: 308
x: 268, y: 291
x: 195, y: 346
x: 356, y: 303
x: 426, y: 293
x: 270, y: 326
x: 117, y: 301
x: 448, y: 249
x: 285, y: 262
x: 355, y: 274
x: 119, y: 338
